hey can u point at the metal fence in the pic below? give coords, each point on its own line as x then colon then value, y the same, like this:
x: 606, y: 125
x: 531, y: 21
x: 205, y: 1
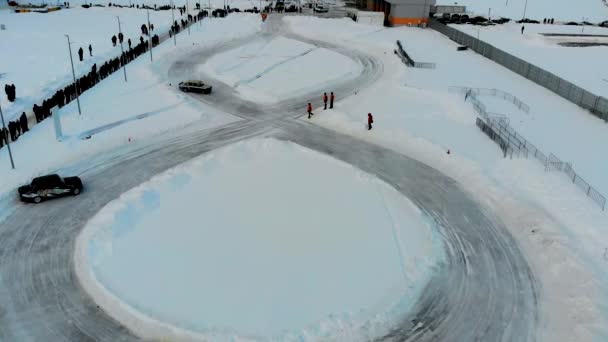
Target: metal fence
x: 521, y: 105
x: 496, y: 126
x: 595, y: 104
x: 409, y: 61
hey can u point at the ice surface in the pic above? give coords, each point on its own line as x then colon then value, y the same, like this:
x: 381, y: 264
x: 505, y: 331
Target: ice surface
x: 248, y: 241
x: 272, y: 70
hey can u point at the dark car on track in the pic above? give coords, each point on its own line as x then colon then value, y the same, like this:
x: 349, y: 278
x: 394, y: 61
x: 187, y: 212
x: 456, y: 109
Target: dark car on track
x: 195, y: 87
x: 49, y: 187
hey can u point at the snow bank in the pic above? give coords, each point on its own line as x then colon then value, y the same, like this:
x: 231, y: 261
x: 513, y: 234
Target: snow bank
x: 269, y: 71
x: 566, y: 10
x: 247, y: 242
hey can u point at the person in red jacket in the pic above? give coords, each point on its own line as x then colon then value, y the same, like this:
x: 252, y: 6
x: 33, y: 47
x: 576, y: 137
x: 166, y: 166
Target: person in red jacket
x: 309, y: 109
x: 331, y: 100
x: 370, y: 121
x: 325, y: 100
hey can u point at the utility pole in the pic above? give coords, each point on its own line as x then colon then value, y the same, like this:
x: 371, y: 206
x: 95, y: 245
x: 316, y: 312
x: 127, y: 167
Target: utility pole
x: 187, y: 17
x: 173, y: 23
x: 122, y: 57
x: 149, y: 38
x: 525, y: 8
x: 74, y: 74
x: 490, y: 15
x: 8, y: 145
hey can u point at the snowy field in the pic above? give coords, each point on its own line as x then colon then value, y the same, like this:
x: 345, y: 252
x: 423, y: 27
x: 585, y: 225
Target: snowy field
x: 565, y: 10
x: 113, y: 101
x: 300, y: 264
x: 256, y: 69
x: 560, y: 229
x: 583, y: 66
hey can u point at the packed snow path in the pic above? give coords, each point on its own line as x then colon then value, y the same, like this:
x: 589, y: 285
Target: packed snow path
x: 485, y: 291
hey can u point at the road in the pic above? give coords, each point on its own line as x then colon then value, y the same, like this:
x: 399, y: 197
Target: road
x: 485, y: 291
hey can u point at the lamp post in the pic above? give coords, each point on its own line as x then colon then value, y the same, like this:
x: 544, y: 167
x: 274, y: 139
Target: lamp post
x: 525, y: 8
x: 149, y: 38
x: 8, y: 144
x: 122, y: 56
x: 74, y: 74
x: 187, y: 16
x: 173, y: 23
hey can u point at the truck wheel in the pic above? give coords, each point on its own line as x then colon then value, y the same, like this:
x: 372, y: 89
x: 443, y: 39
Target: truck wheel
x: 37, y: 199
x: 76, y: 192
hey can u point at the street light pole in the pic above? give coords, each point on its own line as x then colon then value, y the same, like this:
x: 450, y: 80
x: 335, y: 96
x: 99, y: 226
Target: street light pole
x: 74, y: 74
x: 8, y: 145
x: 122, y: 57
x: 173, y: 23
x: 525, y: 8
x: 187, y: 17
x: 149, y: 38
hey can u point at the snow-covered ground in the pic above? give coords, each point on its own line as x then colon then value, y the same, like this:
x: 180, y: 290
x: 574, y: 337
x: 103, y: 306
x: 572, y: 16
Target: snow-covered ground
x: 583, y: 66
x: 566, y: 10
x: 255, y: 69
x: 561, y: 231
x: 35, y: 51
x: 146, y: 92
x: 262, y: 249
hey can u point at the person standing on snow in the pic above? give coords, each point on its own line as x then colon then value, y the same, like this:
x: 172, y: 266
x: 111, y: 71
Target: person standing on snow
x: 325, y: 100
x: 80, y: 53
x: 114, y: 40
x: 522, y: 29
x: 90, y: 50
x: 309, y: 109
x: 370, y: 121
x: 331, y: 100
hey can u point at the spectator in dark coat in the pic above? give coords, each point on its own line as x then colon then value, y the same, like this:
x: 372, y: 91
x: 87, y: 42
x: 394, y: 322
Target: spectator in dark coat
x: 90, y: 50
x: 114, y: 40
x: 80, y: 53
x: 121, y: 37
x: 23, y: 123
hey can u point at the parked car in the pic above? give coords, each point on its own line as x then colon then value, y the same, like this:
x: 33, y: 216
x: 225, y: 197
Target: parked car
x: 603, y: 24
x: 195, y: 86
x: 49, y: 187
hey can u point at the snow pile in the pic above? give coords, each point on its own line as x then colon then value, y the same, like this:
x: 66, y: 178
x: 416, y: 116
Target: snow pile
x: 147, y: 93
x: 271, y: 70
x: 566, y: 10
x: 583, y: 66
x: 247, y: 241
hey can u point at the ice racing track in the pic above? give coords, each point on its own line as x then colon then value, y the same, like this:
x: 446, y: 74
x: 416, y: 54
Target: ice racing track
x: 484, y: 292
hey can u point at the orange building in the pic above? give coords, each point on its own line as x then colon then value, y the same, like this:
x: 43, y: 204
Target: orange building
x: 403, y: 12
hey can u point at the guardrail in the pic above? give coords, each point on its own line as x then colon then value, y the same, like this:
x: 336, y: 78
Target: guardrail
x: 497, y: 128
x: 409, y: 61
x: 597, y: 105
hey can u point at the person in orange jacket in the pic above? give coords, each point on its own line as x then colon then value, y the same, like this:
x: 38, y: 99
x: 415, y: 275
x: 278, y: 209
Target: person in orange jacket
x: 309, y: 109
x: 331, y: 100
x: 370, y: 121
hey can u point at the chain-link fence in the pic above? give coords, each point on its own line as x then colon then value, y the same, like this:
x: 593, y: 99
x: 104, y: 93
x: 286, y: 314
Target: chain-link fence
x: 409, y: 61
x: 595, y: 104
x: 497, y: 128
